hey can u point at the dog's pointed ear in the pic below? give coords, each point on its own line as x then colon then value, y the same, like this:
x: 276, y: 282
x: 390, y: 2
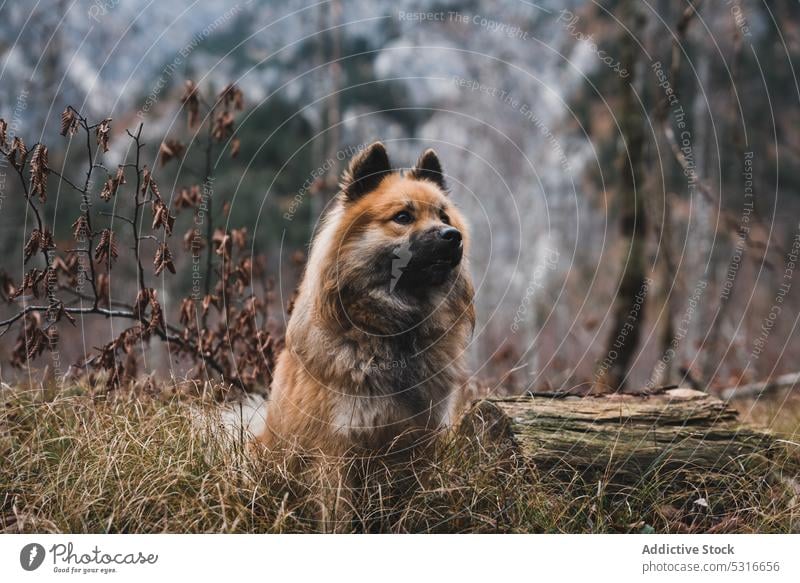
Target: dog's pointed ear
x: 429, y: 167
x: 365, y: 171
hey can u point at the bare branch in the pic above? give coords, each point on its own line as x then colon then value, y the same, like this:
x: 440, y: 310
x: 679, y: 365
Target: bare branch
x: 755, y: 390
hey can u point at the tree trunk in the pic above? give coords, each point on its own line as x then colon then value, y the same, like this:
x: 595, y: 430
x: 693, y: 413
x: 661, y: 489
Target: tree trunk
x: 625, y: 438
x: 628, y: 308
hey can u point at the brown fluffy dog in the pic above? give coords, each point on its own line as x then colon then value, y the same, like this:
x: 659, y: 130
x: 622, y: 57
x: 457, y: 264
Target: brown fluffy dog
x: 375, y: 344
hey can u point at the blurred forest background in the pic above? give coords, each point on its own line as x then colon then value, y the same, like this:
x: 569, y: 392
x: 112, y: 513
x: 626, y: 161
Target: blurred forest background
x: 529, y: 105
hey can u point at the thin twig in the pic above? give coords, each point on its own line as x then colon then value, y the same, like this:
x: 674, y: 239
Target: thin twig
x: 207, y: 184
x: 138, y: 206
x: 114, y: 216
x: 63, y: 178
x: 87, y: 203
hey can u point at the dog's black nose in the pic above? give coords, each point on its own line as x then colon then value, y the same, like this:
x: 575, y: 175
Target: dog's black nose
x: 451, y: 234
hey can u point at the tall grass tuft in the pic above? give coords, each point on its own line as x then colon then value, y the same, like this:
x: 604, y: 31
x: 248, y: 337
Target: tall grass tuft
x: 149, y: 464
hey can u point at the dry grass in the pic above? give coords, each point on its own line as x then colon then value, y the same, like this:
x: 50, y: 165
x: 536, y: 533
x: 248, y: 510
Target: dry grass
x: 779, y: 412
x: 72, y: 463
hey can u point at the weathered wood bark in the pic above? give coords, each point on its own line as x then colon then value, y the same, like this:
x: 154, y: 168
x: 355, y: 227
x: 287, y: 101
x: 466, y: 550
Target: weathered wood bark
x: 626, y: 438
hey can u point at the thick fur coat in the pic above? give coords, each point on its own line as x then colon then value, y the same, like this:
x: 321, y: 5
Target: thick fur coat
x: 375, y: 346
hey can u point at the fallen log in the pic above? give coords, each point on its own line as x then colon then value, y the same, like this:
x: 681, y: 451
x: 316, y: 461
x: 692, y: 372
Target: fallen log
x: 622, y: 437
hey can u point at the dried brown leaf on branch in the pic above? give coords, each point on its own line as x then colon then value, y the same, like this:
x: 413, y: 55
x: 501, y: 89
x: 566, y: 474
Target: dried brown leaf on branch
x: 232, y: 96
x: 69, y: 122
x: 222, y: 125
x: 142, y: 301
x: 102, y: 132
x: 147, y: 177
x: 46, y: 240
x: 109, y: 189
x: 80, y: 228
x: 33, y: 245
x: 3, y: 133
x: 129, y: 338
x: 39, y: 171
x: 188, y: 197
x: 188, y: 312
x: 113, y: 183
x: 149, y: 183
x: 18, y: 154
x: 193, y: 241
x: 7, y: 287
x: 211, y: 300
x: 163, y: 259
x: 222, y: 243
x: 73, y: 265
x: 30, y: 281
x: 60, y: 265
x: 161, y: 216
x: 239, y: 237
x: 107, y: 356
x: 156, y: 314
x: 191, y: 102
x: 68, y: 268
x: 31, y: 340
x: 236, y: 145
x: 32, y: 346
x: 170, y: 149
x: 154, y: 187
x: 124, y: 370
x: 106, y: 250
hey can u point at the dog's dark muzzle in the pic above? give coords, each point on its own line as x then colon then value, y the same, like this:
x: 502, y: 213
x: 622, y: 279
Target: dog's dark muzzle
x: 434, y: 254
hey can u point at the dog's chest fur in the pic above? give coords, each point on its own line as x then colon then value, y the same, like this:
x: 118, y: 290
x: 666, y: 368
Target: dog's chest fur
x: 382, y: 384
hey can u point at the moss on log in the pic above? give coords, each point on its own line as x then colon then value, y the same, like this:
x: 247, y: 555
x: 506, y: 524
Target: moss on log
x: 623, y: 437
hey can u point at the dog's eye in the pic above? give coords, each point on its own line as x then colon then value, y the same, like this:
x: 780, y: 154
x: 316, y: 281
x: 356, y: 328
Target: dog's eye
x: 444, y: 218
x: 403, y: 218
